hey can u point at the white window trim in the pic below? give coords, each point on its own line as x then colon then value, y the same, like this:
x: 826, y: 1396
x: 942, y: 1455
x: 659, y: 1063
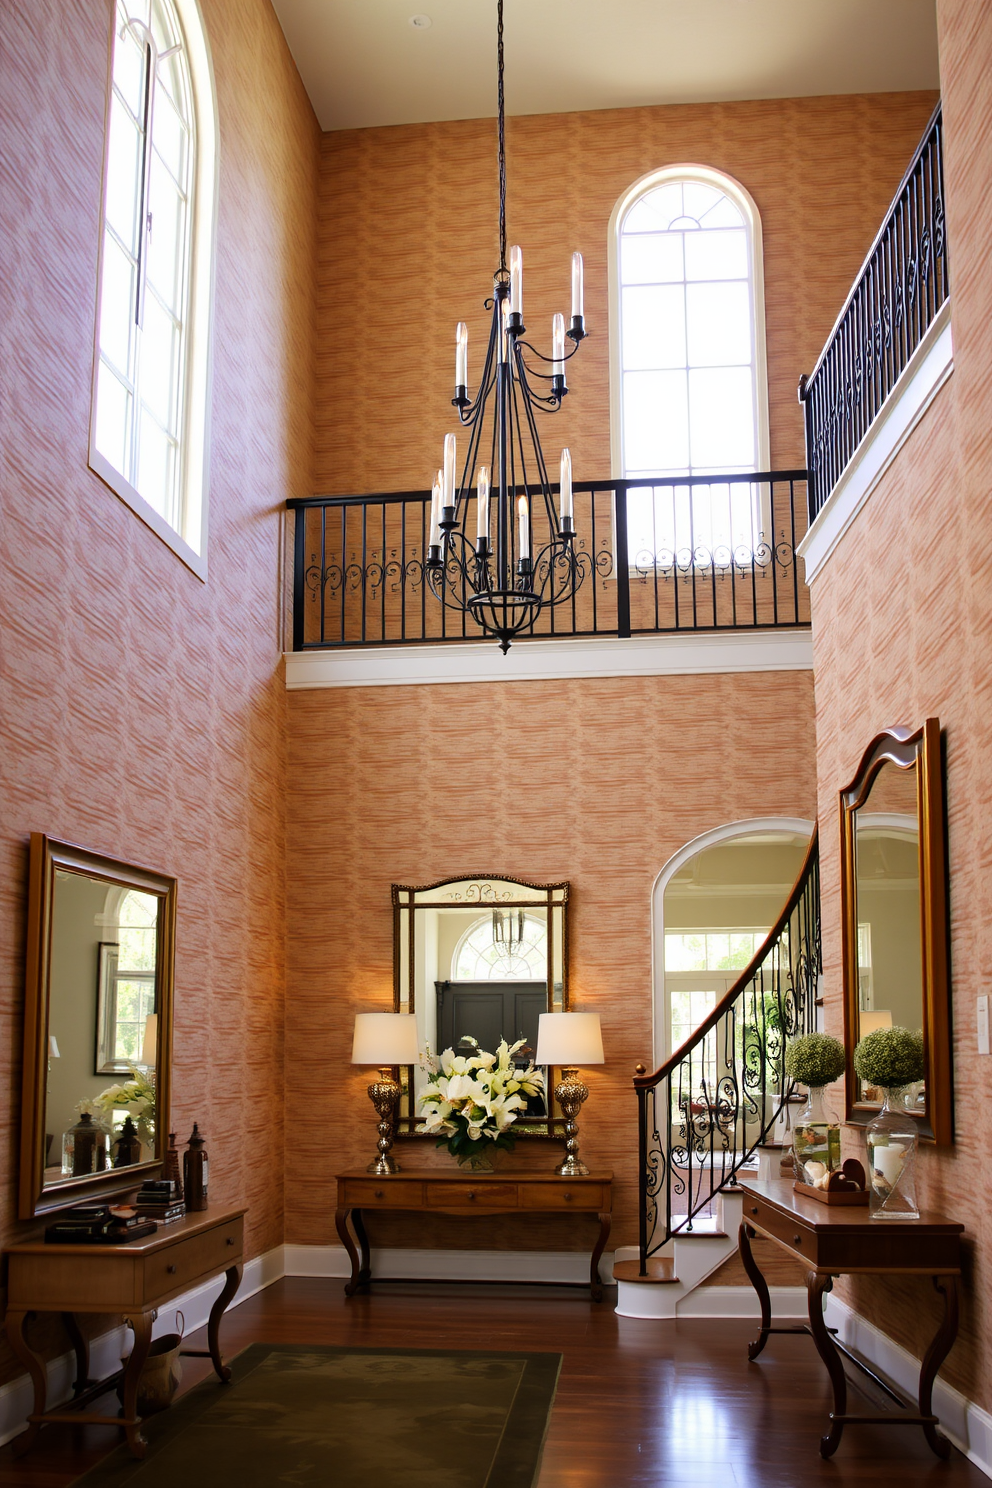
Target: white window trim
x: 745, y: 202
x: 661, y: 1011
x: 191, y: 544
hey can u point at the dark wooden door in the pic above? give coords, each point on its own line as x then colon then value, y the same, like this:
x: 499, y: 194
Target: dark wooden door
x: 488, y: 1012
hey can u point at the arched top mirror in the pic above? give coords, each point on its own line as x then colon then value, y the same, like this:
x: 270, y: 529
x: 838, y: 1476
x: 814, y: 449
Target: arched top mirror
x: 894, y: 908
x: 483, y: 957
x: 97, y: 1026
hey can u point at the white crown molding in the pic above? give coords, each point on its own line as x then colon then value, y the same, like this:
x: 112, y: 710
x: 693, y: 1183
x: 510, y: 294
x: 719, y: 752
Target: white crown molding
x: 966, y: 1424
x: 540, y: 661
x: 924, y: 375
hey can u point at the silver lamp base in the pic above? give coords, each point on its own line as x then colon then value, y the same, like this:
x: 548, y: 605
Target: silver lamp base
x: 384, y: 1093
x: 570, y: 1093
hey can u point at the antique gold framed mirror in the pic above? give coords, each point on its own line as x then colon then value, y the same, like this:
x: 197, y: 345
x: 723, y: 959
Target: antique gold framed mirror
x: 481, y: 955
x: 894, y: 913
x: 97, y: 1026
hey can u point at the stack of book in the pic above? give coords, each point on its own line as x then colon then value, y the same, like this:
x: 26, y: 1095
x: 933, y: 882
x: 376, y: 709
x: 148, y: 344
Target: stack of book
x: 158, y: 1199
x: 98, y: 1224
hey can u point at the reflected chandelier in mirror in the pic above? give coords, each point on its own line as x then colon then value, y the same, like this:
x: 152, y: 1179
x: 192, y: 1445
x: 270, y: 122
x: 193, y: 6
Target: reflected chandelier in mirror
x: 97, y: 1026
x: 482, y: 957
x: 894, y: 912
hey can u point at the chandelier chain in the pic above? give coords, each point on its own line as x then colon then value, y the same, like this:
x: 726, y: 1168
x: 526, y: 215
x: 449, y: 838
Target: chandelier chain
x: 501, y: 135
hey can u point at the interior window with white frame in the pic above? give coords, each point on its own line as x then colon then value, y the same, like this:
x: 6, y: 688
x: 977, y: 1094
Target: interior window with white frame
x: 690, y: 388
x: 149, y: 394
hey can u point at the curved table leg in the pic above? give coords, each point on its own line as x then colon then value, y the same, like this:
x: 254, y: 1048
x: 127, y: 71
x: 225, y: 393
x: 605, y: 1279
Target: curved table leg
x: 231, y: 1284
x: 595, y: 1285
x: 757, y: 1280
x: 14, y: 1326
x: 365, y: 1273
x: 82, y: 1351
x: 935, y: 1356
x: 141, y: 1326
x: 341, y: 1217
x: 816, y: 1286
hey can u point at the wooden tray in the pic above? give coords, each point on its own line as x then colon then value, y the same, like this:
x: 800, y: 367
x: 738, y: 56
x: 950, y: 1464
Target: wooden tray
x: 834, y: 1195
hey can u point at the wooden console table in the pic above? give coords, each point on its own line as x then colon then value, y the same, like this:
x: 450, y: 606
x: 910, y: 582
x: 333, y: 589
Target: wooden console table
x: 440, y: 1191
x: 844, y: 1241
x: 134, y: 1280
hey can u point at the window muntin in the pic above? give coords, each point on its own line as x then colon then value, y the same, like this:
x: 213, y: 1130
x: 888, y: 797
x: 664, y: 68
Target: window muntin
x: 688, y: 352
x: 126, y: 995
x: 150, y: 368
x: 480, y: 957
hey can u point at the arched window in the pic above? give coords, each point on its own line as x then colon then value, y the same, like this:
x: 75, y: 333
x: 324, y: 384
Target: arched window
x: 148, y: 425
x: 520, y: 955
x: 687, y: 332
x: 126, y: 990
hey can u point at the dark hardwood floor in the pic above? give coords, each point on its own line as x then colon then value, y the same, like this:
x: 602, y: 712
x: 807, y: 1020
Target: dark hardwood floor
x: 638, y: 1403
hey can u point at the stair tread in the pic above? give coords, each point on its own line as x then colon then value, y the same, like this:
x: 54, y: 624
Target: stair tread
x: 661, y: 1271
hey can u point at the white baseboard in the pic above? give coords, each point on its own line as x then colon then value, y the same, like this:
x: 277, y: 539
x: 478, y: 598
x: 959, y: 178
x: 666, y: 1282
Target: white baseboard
x: 964, y: 1423
x: 788, y: 1303
x: 548, y: 1266
x: 17, y: 1397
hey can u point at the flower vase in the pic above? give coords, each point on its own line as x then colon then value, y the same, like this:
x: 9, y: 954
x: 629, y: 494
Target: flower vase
x: 816, y: 1140
x: 479, y: 1162
x: 892, y: 1139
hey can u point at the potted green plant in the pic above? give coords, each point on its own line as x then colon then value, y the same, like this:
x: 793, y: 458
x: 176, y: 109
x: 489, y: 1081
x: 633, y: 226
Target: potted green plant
x: 815, y: 1060
x: 891, y: 1058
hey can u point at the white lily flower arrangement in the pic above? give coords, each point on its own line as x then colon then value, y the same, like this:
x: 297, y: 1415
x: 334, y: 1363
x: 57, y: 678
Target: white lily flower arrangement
x: 472, y: 1100
x: 136, y: 1097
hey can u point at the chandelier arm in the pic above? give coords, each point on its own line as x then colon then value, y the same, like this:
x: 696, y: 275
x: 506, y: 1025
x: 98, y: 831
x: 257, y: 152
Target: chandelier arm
x: 542, y: 470
x: 540, y: 355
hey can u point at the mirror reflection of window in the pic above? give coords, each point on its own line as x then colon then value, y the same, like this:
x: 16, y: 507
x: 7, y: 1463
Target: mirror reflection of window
x: 504, y: 946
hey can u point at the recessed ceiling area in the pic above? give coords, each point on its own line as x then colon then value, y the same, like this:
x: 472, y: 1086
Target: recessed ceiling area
x: 364, y: 63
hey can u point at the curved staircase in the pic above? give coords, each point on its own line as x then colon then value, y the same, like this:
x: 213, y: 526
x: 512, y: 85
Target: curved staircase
x: 713, y: 1110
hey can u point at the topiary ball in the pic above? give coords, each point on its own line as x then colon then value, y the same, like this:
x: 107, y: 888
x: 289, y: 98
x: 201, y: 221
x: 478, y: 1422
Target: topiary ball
x: 890, y: 1057
x: 815, y: 1059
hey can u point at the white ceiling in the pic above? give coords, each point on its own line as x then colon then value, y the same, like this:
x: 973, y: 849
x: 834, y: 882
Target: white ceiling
x: 363, y: 63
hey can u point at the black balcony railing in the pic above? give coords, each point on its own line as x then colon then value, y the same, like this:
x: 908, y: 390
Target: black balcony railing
x: 902, y: 285
x: 703, y: 1114
x: 702, y: 553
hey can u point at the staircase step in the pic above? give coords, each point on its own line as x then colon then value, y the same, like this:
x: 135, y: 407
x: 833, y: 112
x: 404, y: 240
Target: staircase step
x: 661, y: 1271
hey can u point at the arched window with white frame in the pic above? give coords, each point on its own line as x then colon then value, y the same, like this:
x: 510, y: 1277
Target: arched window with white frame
x: 151, y: 365
x: 689, y: 384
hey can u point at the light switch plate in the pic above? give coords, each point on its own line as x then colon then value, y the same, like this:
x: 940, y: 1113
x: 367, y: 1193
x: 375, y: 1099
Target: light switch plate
x: 983, y: 1024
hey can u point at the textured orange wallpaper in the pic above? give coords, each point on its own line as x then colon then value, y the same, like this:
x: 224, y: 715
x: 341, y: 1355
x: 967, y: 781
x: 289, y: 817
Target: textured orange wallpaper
x: 141, y: 711
x: 596, y: 781
x: 902, y: 630
x: 408, y: 247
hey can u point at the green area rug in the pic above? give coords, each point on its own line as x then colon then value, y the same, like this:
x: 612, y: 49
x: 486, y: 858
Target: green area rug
x: 321, y: 1417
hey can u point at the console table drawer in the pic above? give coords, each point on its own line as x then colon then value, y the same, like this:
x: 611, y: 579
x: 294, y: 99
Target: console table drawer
x: 468, y: 1196
x: 390, y: 1193
x: 215, y: 1250
x: 780, y: 1226
x: 565, y: 1195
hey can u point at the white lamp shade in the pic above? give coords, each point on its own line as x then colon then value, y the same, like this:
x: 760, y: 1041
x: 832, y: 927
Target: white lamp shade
x: 385, y: 1038
x: 569, y: 1038
x: 53, y: 1048
x: 149, y: 1044
x: 872, y: 1022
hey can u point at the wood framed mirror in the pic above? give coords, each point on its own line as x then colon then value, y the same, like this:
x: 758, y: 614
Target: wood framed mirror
x: 98, y: 1013
x: 894, y: 913
x: 482, y: 955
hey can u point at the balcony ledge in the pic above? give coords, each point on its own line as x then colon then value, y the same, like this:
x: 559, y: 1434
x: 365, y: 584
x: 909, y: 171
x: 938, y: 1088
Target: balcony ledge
x: 925, y: 374
x: 539, y: 661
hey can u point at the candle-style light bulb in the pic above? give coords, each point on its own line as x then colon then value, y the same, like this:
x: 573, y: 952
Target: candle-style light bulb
x: 516, y: 281
x: 558, y: 345
x: 482, y: 488
x: 448, y: 475
x: 566, y: 484
x: 461, y: 355
x: 523, y: 521
x: 436, y: 512
x: 577, y: 296
x: 504, y: 312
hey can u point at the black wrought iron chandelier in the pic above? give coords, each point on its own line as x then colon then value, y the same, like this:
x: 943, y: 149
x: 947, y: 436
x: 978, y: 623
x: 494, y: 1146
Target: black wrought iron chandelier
x: 534, y: 563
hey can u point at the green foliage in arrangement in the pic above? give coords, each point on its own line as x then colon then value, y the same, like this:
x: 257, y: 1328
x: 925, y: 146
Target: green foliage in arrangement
x: 815, y: 1059
x: 890, y: 1057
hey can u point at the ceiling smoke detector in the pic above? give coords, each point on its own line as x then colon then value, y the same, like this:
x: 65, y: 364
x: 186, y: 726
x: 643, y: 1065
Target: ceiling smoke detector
x: 420, y: 22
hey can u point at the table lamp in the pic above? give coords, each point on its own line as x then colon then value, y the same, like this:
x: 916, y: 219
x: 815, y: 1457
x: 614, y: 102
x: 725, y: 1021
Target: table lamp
x: 569, y: 1040
x: 385, y: 1039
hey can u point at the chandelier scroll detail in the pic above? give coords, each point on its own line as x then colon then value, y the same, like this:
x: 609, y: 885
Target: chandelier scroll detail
x: 523, y: 558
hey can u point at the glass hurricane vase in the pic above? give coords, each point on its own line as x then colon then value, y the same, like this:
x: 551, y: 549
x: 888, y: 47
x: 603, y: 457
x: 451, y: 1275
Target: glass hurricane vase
x: 816, y: 1140
x: 892, y: 1139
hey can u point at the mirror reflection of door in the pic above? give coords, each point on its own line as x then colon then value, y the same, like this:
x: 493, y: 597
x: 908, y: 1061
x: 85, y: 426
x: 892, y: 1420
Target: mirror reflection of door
x: 888, y: 907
